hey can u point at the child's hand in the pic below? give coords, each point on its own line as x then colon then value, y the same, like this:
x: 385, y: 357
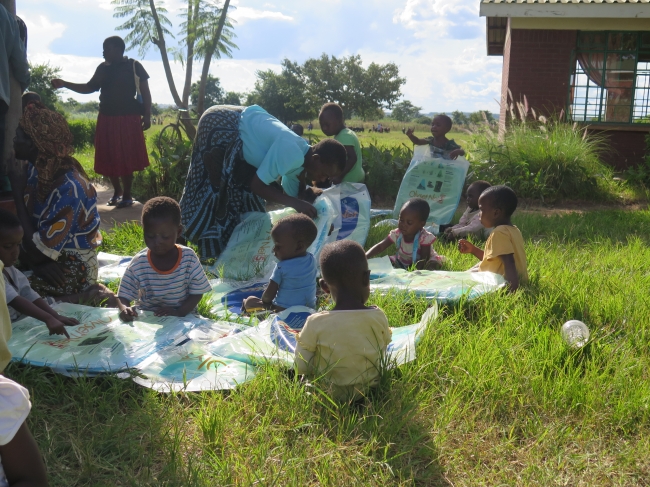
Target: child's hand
x: 455, y: 153
x: 409, y: 131
x: 56, y: 327
x: 66, y: 321
x: 448, y: 231
x: 465, y: 247
x: 253, y: 303
x: 167, y: 311
x: 128, y: 313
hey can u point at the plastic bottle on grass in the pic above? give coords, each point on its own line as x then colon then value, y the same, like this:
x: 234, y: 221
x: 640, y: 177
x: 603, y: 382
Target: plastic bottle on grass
x: 575, y: 333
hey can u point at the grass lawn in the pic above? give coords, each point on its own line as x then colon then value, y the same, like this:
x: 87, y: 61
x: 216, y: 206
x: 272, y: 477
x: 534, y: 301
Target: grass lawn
x: 86, y: 156
x: 493, y: 398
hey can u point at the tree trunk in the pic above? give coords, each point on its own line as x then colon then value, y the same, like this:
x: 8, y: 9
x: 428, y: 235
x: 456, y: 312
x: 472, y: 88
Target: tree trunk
x: 208, y: 58
x: 192, y: 18
x: 15, y: 105
x: 160, y: 43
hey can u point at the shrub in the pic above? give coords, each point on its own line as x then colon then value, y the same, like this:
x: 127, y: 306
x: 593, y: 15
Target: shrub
x: 423, y: 119
x: 83, y: 132
x: 540, y: 158
x: 167, y: 173
x: 385, y: 168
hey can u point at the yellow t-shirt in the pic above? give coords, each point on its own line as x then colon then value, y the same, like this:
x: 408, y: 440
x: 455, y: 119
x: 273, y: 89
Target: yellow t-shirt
x: 5, y: 324
x: 345, y: 346
x: 504, y: 240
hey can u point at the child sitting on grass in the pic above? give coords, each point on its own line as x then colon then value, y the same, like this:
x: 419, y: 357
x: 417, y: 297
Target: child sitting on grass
x: 346, y: 344
x: 504, y: 250
x: 293, y: 282
x: 333, y: 125
x: 412, y: 241
x: 470, y: 222
x: 22, y: 300
x: 441, y: 146
x: 165, y: 278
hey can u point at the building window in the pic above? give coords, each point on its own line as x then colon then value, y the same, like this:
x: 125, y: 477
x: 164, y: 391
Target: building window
x: 610, y: 82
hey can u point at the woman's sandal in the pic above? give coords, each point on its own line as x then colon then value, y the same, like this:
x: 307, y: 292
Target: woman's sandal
x: 115, y: 200
x: 125, y: 203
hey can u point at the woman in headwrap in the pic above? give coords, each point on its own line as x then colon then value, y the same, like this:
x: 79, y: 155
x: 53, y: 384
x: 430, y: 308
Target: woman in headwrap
x: 56, y: 205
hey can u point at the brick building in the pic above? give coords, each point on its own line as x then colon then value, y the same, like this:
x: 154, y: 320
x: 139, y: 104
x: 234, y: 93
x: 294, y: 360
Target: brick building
x: 590, y: 58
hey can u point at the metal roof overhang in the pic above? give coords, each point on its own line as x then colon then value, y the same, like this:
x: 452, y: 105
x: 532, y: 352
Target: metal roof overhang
x: 624, y: 10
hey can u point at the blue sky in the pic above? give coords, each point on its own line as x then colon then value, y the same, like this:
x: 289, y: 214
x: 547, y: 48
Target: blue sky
x: 439, y: 45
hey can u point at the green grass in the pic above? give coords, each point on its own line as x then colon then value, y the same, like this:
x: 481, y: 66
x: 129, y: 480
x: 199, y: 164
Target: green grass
x: 86, y: 156
x: 493, y: 398
x: 395, y: 137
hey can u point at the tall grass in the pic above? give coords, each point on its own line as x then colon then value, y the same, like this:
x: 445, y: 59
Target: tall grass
x: 493, y: 398
x: 385, y: 168
x: 542, y: 158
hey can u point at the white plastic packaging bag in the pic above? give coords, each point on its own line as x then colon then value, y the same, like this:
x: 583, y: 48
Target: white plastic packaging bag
x: 101, y: 343
x: 439, y: 181
x: 249, y: 250
x: 355, y: 212
x: 190, y: 367
x: 442, y: 286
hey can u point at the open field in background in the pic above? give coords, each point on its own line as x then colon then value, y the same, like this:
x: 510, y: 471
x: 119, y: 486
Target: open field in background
x: 493, y: 398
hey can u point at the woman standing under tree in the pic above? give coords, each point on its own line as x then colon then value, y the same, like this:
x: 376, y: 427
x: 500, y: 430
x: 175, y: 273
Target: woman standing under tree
x: 120, y: 149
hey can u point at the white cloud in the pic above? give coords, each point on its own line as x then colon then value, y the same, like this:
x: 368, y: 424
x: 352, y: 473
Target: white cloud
x: 437, y: 17
x: 244, y: 14
x: 447, y: 76
x: 42, y: 32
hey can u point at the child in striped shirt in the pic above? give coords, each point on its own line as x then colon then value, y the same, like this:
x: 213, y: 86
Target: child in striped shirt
x: 165, y: 278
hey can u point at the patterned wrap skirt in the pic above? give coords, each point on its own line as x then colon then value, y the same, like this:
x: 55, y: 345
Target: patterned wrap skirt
x: 80, y: 267
x: 120, y: 149
x: 217, y: 190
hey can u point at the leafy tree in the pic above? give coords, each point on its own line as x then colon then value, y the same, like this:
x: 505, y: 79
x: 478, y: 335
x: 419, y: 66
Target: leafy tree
x: 423, y: 119
x: 90, y: 106
x: 480, y: 117
x: 345, y: 81
x: 283, y: 95
x: 459, y: 118
x: 213, y: 92
x: 298, y: 91
x: 232, y: 98
x: 405, y: 111
x: 70, y: 103
x: 201, y: 32
x: 41, y: 74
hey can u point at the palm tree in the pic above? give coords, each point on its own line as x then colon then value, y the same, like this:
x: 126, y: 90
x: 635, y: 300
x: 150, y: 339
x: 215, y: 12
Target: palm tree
x: 201, y: 38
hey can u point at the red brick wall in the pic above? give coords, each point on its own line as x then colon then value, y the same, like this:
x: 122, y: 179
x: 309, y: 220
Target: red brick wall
x: 626, y: 148
x: 537, y: 63
x: 505, y: 74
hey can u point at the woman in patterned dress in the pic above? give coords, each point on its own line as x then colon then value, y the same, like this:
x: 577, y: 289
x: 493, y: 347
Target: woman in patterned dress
x: 238, y: 155
x: 57, y: 207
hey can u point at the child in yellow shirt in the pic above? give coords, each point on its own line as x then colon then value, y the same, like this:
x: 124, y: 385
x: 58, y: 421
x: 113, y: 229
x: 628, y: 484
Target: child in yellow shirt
x: 504, y: 250
x: 344, y: 345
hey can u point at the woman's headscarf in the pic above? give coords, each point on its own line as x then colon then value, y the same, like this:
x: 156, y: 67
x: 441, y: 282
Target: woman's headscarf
x: 52, y: 137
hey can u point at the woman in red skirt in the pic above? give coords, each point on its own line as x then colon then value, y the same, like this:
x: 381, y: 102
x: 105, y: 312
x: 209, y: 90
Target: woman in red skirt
x: 120, y: 149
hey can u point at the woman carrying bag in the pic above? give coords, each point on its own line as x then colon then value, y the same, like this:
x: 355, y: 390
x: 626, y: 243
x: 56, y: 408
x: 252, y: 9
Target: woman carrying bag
x: 124, y: 112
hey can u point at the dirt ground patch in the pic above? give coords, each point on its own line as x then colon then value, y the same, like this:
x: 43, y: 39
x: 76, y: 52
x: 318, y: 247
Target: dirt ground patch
x: 110, y: 215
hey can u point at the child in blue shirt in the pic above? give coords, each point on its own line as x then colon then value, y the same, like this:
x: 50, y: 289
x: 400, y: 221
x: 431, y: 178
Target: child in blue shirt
x: 293, y: 282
